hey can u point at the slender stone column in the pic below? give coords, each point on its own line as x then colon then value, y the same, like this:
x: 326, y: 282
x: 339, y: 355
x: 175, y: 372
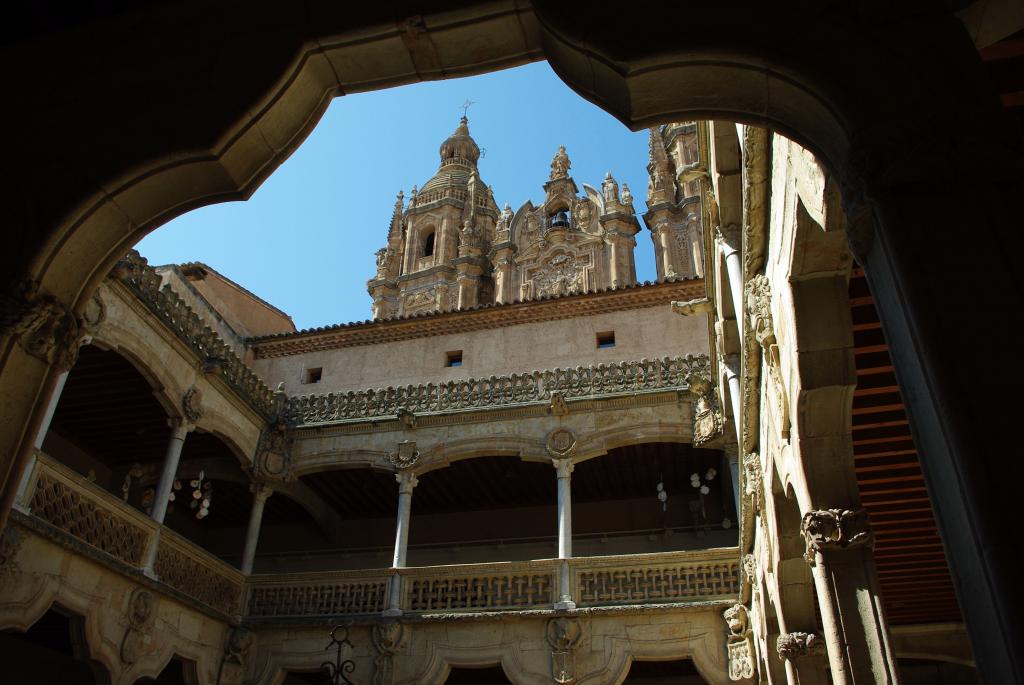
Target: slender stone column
x: 406, y: 482
x: 564, y: 469
x: 729, y: 244
x: 730, y: 368
x: 179, y: 429
x: 853, y: 624
x: 260, y: 493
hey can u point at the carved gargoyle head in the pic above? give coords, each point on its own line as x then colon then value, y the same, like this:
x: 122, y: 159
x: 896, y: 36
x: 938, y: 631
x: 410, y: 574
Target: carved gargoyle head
x: 737, y: 619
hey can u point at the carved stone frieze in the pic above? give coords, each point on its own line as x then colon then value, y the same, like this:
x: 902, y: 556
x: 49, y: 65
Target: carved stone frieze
x: 830, y: 529
x: 10, y: 544
x: 214, y: 354
x: 739, y: 642
x: 798, y: 644
x: 756, y: 152
x: 563, y: 635
x: 598, y: 380
x: 41, y: 324
x: 753, y: 482
x: 760, y: 324
x: 141, y: 615
x: 562, y: 275
x: 387, y: 636
x: 192, y: 404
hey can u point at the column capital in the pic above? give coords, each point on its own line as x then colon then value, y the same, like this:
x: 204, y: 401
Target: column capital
x: 407, y: 480
x: 180, y: 427
x: 833, y: 529
x: 731, y: 365
x: 564, y: 466
x: 261, y: 491
x: 798, y: 644
x: 730, y: 237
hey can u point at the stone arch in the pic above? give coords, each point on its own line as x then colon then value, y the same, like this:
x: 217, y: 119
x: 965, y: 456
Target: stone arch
x: 851, y: 110
x: 165, y: 387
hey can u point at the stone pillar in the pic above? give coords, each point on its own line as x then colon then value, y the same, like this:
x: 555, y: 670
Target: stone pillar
x: 729, y: 244
x: 730, y: 368
x: 44, y: 428
x: 503, y: 280
x: 839, y: 551
x: 406, y: 482
x: 563, y: 468
x: 260, y: 493
x: 179, y: 430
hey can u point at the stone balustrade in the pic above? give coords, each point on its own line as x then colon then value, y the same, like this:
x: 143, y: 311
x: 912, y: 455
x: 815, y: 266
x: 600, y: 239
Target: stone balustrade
x: 537, y: 387
x: 113, y: 532
x: 94, y: 521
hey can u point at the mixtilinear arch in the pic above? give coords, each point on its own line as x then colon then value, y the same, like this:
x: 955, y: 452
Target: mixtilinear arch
x: 890, y: 102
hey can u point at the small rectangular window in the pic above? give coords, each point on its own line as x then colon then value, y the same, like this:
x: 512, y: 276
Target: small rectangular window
x: 605, y: 339
x: 313, y: 375
x: 453, y: 358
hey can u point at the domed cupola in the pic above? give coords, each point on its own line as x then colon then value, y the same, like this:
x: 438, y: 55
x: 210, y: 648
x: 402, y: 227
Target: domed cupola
x: 460, y: 148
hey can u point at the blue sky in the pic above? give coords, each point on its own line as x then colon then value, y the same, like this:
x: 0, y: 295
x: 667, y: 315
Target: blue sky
x: 305, y: 240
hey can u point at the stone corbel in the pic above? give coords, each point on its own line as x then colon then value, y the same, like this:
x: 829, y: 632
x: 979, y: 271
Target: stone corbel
x: 799, y: 645
x: 237, y: 648
x: 563, y: 635
x: 739, y: 643
x: 387, y: 637
x: 407, y: 418
x: 558, y: 406
x: 834, y: 529
x: 701, y: 305
x: 42, y: 325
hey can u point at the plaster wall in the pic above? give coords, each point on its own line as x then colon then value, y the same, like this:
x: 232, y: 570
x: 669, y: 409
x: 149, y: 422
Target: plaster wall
x: 640, y: 333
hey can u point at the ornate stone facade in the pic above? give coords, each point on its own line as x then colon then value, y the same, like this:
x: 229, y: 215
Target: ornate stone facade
x: 450, y: 247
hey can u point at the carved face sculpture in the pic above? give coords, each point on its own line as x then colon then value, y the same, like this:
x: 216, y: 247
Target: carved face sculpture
x: 736, y: 618
x: 141, y: 608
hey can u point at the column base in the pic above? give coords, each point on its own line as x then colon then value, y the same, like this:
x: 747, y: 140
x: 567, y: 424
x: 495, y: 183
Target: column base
x: 564, y: 605
x: 392, y: 612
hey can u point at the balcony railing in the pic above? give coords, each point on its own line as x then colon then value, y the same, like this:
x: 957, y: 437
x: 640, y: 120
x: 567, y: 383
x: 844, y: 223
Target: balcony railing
x: 581, y: 382
x: 70, y: 505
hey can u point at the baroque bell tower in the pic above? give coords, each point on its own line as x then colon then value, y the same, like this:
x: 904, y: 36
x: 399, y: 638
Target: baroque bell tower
x: 436, y: 254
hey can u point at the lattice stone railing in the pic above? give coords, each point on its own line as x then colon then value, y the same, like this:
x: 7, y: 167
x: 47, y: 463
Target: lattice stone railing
x: 318, y: 594
x: 91, y: 515
x: 72, y: 504
x: 655, y: 578
x: 479, y: 587
x: 216, y: 355
x: 197, y: 574
x: 581, y: 382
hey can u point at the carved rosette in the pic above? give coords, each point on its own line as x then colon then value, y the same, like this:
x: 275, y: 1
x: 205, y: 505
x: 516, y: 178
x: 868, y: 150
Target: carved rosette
x: 832, y: 529
x: 563, y: 635
x: 561, y: 443
x: 798, y: 645
x: 44, y: 327
x: 739, y: 642
x: 192, y: 404
x: 274, y: 453
x: 387, y: 636
x: 140, y: 618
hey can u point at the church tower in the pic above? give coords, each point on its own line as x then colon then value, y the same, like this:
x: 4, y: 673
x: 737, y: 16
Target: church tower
x: 435, y: 258
x: 673, y: 201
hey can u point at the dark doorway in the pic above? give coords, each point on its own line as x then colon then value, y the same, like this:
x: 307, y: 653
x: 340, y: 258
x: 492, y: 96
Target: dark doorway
x: 488, y: 675
x: 51, y: 651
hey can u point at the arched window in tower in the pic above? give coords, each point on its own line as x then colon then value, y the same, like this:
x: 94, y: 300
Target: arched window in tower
x: 428, y: 244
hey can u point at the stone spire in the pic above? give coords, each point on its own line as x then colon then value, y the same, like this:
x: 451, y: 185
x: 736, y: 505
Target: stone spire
x: 395, y: 231
x: 660, y: 186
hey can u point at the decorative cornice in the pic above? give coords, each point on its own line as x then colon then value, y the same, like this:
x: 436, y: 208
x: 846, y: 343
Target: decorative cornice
x: 477, y: 318
x: 214, y: 354
x: 630, y: 377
